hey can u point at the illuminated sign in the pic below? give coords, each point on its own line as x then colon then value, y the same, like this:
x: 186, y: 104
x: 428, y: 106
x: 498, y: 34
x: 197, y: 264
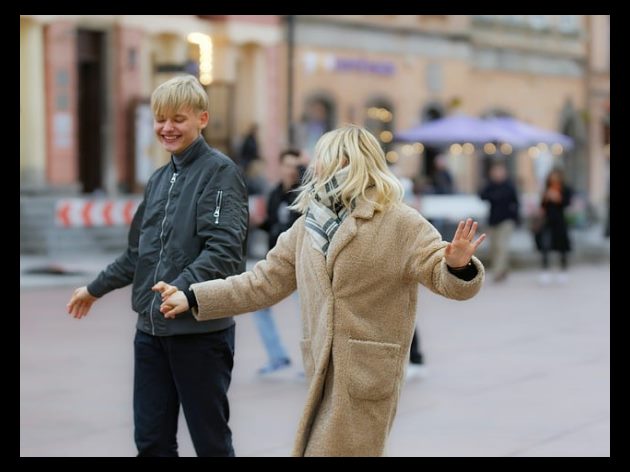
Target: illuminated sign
x: 362, y: 65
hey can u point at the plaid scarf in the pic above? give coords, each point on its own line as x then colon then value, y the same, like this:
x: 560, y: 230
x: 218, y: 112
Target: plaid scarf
x: 326, y: 212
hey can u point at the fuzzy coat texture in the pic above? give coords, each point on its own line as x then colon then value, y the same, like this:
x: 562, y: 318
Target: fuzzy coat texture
x: 358, y: 316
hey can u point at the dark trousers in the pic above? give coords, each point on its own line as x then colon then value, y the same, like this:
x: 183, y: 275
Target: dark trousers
x: 415, y: 356
x: 193, y: 370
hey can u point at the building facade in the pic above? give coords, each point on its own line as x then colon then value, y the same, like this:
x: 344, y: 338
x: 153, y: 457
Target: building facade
x: 391, y: 72
x: 86, y: 80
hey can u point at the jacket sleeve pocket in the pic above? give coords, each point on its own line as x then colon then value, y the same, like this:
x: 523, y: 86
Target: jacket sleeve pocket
x: 373, y: 369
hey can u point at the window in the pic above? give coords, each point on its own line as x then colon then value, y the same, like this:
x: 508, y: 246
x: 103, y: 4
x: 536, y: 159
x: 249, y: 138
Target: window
x: 318, y: 118
x: 568, y: 24
x: 538, y: 22
x: 434, y: 77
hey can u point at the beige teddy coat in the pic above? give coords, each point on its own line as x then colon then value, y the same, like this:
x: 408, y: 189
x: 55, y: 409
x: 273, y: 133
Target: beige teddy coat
x: 358, y: 316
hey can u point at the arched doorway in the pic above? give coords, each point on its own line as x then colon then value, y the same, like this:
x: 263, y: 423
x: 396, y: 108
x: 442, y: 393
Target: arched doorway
x: 90, y: 92
x: 431, y: 111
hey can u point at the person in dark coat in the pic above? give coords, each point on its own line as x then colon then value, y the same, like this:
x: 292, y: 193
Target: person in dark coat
x: 249, y: 148
x: 442, y: 179
x: 553, y: 234
x: 504, y: 216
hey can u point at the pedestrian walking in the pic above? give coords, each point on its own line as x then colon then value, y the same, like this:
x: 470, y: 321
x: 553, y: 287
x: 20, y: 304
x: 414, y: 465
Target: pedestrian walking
x: 249, y: 147
x: 553, y: 233
x: 504, y: 216
x: 279, y: 219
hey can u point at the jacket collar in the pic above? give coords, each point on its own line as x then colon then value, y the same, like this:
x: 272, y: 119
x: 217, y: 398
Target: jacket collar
x: 365, y: 206
x: 364, y: 209
x: 188, y: 155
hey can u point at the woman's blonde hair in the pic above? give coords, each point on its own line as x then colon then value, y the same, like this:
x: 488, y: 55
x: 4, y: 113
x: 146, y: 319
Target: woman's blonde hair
x: 358, y: 149
x: 178, y: 93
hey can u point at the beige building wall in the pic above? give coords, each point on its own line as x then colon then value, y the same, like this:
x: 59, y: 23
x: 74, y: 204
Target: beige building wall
x: 32, y: 105
x: 440, y: 24
x: 599, y: 108
x: 536, y: 99
x: 458, y: 48
x: 406, y: 89
x: 250, y: 53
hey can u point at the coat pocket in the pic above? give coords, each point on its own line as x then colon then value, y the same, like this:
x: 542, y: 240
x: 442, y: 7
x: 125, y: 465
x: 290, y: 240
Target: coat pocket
x: 307, y: 359
x: 373, y: 369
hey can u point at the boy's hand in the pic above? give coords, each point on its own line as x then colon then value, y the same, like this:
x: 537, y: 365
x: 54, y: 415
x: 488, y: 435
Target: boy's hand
x: 174, y: 305
x: 80, y: 302
x: 165, y: 289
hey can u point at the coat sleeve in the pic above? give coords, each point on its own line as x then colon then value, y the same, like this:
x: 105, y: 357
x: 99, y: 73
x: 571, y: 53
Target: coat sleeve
x: 120, y: 272
x: 424, y: 263
x: 270, y: 280
x: 224, y: 233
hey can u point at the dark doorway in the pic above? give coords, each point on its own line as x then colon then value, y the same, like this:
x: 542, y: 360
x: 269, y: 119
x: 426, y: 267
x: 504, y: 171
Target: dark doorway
x: 488, y: 158
x: 380, y: 121
x: 429, y: 113
x: 90, y: 106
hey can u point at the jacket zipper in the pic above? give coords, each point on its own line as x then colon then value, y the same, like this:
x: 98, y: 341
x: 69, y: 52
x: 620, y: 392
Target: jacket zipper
x: 155, y: 276
x: 217, y: 210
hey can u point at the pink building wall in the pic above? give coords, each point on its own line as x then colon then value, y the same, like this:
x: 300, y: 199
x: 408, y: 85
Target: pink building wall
x: 60, y: 65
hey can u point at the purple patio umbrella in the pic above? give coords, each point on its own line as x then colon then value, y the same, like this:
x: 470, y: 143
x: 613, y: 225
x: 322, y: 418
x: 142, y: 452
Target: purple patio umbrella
x: 459, y: 129
x: 532, y: 135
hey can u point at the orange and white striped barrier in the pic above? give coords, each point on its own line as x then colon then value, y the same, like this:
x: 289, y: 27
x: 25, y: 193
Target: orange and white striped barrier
x: 88, y: 213
x: 82, y: 213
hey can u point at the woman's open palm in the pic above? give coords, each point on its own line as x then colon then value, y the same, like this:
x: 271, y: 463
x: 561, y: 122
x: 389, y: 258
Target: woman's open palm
x: 461, y: 249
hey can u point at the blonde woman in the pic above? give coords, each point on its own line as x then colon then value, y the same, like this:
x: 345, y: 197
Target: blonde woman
x: 356, y: 256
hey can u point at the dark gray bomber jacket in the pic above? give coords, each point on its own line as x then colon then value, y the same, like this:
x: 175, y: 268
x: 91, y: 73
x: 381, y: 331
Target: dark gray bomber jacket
x: 190, y: 227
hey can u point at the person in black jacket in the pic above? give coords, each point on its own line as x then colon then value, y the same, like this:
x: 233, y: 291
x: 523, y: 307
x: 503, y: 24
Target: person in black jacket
x: 279, y: 219
x: 554, y: 232
x: 191, y: 226
x: 249, y: 147
x: 504, y: 215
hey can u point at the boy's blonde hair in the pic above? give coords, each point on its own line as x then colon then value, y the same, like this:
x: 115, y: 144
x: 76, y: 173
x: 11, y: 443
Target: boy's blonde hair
x: 179, y: 93
x: 357, y: 148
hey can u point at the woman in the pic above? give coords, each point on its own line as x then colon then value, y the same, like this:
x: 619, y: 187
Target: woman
x: 356, y: 256
x: 554, y: 233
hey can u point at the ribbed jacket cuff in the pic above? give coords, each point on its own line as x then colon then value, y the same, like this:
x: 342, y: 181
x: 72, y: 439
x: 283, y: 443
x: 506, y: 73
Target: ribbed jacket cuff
x: 468, y: 273
x: 97, y: 289
x: 192, y: 299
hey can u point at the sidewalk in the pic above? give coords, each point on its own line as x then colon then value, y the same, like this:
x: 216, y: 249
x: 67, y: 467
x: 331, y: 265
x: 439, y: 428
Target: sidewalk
x: 519, y: 370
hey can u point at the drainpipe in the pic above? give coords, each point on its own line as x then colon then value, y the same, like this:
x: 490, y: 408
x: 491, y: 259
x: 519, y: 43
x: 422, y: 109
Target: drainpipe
x: 290, y: 53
